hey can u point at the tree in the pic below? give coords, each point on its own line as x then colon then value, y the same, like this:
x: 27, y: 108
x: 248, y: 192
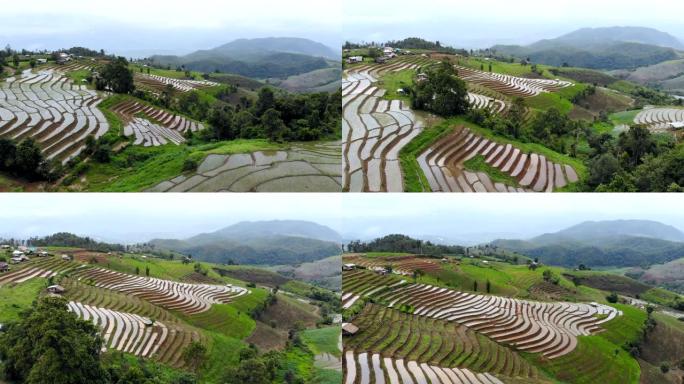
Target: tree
x: 117, y: 77
x: 612, y: 298
x: 49, y: 344
x: 636, y: 143
x: 147, y: 271
x: 195, y: 356
x: 137, y: 270
x: 602, y: 169
x: 475, y: 285
x: 28, y: 159
x: 15, y: 60
x: 442, y: 93
x: 273, y: 125
x: 221, y: 121
x: 489, y: 286
x: 32, y: 63
x: 265, y: 101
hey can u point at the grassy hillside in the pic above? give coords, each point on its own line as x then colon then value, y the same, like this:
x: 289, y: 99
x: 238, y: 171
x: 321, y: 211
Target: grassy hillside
x: 225, y: 329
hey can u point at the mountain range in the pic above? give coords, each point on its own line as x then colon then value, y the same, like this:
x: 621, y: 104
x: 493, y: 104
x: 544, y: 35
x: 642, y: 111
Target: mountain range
x: 600, y: 48
x: 618, y: 243
x: 274, y: 57
x: 275, y: 242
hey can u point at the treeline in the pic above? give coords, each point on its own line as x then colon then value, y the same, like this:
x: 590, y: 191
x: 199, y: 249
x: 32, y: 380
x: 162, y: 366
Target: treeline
x: 403, y: 244
x: 64, y: 239
x: 275, y: 116
x: 24, y: 159
x: 418, y: 43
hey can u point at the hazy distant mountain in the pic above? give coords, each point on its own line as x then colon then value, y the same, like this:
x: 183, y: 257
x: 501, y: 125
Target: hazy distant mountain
x: 278, y: 57
x: 604, y: 243
x: 598, y: 36
x: 261, y: 242
x: 600, y: 48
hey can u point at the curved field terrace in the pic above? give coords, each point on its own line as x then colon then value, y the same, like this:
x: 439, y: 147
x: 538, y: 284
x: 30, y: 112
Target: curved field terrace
x: 52, y: 110
x: 511, y: 85
x: 164, y: 128
x: 374, y: 129
x: 443, y: 166
x: 159, y: 83
x: 302, y: 168
x: 548, y: 328
x: 366, y: 368
x: 402, y: 265
x: 171, y: 295
x: 658, y: 119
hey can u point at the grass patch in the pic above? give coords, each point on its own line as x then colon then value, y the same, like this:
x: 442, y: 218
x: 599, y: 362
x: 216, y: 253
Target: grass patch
x: 323, y: 340
x: 393, y: 81
x: 625, y: 117
x: 414, y: 178
x: 545, y: 101
x: 18, y: 298
x: 223, y: 352
x: 478, y: 164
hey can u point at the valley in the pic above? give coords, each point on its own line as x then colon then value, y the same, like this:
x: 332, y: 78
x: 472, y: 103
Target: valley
x: 165, y: 312
x: 515, y: 122
x: 104, y: 123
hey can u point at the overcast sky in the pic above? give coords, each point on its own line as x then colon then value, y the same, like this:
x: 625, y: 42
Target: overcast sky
x: 127, y: 26
x: 464, y: 218
x: 484, y: 23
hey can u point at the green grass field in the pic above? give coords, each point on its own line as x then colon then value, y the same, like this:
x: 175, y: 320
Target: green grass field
x: 393, y: 81
x: 478, y: 164
x: 18, y: 298
x: 323, y: 340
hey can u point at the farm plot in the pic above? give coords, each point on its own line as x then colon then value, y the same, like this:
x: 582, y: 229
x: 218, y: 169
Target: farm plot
x: 478, y: 101
x: 44, y: 267
x: 302, y: 168
x: 374, y: 130
x: 661, y: 119
x: 364, y: 367
x: 49, y: 108
x: 435, y: 342
x: 158, y: 83
x: 64, y: 68
x: 167, y: 127
x: 135, y: 334
x: 511, y: 85
x: 183, y: 297
x: 548, y: 328
x: 443, y: 166
x: 402, y: 265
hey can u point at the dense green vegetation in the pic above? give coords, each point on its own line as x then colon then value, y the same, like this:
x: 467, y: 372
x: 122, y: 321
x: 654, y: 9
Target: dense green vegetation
x: 64, y: 239
x: 402, y: 243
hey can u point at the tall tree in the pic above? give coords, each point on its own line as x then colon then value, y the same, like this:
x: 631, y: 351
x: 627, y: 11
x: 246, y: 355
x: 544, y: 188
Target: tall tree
x: 51, y: 345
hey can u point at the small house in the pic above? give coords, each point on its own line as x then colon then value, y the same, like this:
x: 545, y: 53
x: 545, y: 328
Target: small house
x: 17, y: 253
x: 421, y: 77
x: 41, y: 61
x: 354, y: 59
x: 56, y: 289
x: 401, y: 91
x: 43, y: 254
x: 349, y: 329
x: 66, y: 257
x: 677, y: 124
x: 4, y: 267
x: 348, y: 267
x: 381, y: 60
x: 5, y: 246
x: 388, y: 50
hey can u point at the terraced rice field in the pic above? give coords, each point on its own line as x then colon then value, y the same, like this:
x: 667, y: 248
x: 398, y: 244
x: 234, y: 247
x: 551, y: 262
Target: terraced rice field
x: 374, y: 130
x: 402, y: 265
x: 166, y: 128
x: 64, y: 68
x: 389, y: 332
x: 511, y: 85
x: 159, y: 83
x: 39, y: 267
x: 478, y: 101
x: 660, y: 119
x: 49, y: 108
x: 183, y: 297
x: 124, y: 332
x: 303, y: 168
x: 443, y: 166
x: 363, y: 367
x: 548, y: 328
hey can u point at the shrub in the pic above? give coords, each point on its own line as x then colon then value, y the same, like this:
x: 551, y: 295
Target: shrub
x: 612, y: 298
